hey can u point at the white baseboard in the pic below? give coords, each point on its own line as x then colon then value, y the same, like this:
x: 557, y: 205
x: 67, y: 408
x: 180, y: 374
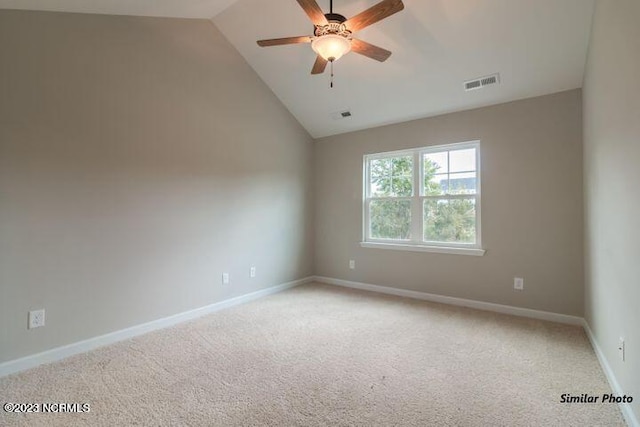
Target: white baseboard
x: 59, y: 353
x: 480, y: 305
x: 627, y: 412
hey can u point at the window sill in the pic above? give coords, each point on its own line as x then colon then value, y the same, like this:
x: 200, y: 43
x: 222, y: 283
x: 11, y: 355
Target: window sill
x: 424, y: 248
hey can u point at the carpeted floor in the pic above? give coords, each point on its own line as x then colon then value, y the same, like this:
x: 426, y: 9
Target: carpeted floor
x: 319, y: 355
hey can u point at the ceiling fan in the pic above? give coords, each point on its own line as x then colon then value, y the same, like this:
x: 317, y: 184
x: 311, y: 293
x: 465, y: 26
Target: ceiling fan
x: 332, y: 35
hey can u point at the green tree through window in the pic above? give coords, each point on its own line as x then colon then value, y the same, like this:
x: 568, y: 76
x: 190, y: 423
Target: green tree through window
x: 392, y: 181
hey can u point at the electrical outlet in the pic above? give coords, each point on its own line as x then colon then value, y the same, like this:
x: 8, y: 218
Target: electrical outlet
x: 621, y: 348
x: 252, y: 273
x: 36, y: 318
x: 352, y: 264
x: 225, y: 278
x: 518, y: 283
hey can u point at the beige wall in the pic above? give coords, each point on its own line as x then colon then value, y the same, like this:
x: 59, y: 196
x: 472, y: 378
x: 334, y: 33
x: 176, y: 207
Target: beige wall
x: 531, y: 155
x: 612, y: 187
x: 139, y: 159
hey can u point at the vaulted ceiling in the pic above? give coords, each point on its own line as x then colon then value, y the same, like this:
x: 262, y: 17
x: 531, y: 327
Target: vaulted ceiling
x: 537, y: 46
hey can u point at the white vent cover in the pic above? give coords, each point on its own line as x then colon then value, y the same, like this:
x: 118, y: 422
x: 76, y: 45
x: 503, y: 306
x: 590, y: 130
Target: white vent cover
x: 481, y: 82
x: 339, y: 115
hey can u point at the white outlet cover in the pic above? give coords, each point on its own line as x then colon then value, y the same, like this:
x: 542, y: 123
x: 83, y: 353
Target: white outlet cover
x: 253, y: 272
x: 352, y: 264
x: 225, y: 278
x: 518, y: 283
x: 36, y: 318
x: 621, y: 348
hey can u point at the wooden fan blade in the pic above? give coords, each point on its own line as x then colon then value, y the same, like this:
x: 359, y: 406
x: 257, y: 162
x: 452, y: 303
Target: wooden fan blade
x: 369, y: 50
x: 284, y: 40
x: 374, y: 14
x: 319, y: 66
x: 314, y: 12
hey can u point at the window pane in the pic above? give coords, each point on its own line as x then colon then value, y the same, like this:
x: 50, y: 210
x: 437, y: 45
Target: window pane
x: 436, y: 185
x: 380, y: 174
x: 390, y: 219
x: 462, y: 183
x: 452, y: 221
x: 434, y: 172
x: 462, y: 160
x: 435, y: 163
x: 392, y: 177
x: 402, y: 176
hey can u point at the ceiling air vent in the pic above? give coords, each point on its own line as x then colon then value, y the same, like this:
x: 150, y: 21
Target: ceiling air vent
x: 339, y: 115
x: 482, y: 82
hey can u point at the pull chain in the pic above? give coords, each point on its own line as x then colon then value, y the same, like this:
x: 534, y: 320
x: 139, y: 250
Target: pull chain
x: 331, y: 74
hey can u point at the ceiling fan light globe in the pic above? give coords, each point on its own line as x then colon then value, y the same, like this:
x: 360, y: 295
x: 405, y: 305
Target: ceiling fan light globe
x: 331, y: 46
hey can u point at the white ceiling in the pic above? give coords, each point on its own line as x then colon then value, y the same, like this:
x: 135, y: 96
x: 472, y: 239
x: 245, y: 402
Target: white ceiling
x: 537, y: 46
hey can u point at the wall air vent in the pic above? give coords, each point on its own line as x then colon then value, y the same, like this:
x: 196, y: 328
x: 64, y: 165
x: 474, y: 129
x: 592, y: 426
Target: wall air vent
x: 481, y: 82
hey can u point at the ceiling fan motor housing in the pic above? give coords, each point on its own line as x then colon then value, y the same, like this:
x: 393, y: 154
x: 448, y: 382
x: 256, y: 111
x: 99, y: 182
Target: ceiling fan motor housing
x: 335, y: 17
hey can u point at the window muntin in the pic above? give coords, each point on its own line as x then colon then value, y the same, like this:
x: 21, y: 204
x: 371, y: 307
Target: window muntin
x: 426, y: 196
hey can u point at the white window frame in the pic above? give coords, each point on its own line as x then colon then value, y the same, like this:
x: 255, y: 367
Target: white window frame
x: 417, y: 201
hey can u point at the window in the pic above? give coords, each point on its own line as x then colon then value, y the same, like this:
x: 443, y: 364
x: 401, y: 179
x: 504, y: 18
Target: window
x: 424, y: 199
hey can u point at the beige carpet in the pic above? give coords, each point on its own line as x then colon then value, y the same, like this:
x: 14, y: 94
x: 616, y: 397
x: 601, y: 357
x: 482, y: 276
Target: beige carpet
x: 324, y: 356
